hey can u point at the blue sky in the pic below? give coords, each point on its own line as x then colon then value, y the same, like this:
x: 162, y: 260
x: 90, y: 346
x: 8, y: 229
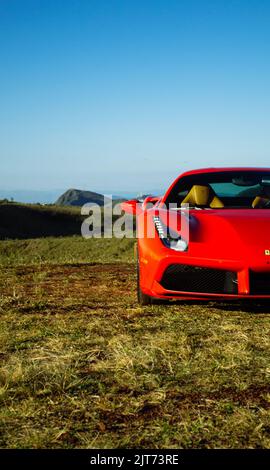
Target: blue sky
x: 124, y: 95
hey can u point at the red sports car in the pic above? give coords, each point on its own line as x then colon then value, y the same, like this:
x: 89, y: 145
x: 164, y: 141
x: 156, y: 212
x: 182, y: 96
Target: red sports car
x: 207, y: 238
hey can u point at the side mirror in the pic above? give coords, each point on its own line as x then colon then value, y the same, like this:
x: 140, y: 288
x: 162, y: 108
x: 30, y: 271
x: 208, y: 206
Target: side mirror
x: 149, y: 202
x: 136, y: 206
x: 131, y: 207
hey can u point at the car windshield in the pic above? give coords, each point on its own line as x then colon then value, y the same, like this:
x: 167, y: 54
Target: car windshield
x: 225, y: 189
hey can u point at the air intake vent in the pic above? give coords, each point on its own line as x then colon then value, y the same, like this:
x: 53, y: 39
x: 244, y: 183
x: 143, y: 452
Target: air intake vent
x: 186, y: 278
x: 259, y: 283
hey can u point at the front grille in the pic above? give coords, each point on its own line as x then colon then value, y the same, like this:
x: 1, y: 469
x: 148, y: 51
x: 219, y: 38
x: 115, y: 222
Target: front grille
x: 259, y: 283
x: 186, y: 278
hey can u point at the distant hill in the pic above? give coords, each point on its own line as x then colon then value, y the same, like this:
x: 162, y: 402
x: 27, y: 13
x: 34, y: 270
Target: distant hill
x: 78, y: 197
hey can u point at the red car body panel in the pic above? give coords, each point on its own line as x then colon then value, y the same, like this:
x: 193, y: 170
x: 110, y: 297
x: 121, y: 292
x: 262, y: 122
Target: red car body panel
x: 227, y: 240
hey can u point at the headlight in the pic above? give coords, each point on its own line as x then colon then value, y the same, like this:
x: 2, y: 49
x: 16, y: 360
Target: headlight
x: 169, y: 239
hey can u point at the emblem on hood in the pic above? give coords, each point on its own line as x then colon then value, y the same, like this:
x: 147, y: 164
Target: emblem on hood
x: 267, y: 252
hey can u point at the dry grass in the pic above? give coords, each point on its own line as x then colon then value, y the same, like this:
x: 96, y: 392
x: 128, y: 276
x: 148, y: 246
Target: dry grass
x: 82, y: 365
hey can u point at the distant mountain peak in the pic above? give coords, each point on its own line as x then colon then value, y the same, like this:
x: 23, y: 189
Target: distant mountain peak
x: 79, y: 197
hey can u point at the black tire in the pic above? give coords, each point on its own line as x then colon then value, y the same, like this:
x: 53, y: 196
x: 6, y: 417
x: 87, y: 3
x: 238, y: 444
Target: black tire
x: 143, y: 299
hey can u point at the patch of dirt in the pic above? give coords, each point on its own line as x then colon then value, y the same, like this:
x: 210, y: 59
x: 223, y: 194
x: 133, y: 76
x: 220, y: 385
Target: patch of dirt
x: 254, y: 394
x: 65, y: 288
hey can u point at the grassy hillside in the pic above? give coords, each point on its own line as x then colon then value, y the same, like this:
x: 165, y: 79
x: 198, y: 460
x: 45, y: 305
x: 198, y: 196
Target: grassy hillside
x: 33, y: 220
x: 67, y: 250
x: 24, y: 221
x: 82, y: 365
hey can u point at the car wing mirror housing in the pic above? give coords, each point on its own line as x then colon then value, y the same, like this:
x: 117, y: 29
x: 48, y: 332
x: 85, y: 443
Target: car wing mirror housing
x: 133, y: 207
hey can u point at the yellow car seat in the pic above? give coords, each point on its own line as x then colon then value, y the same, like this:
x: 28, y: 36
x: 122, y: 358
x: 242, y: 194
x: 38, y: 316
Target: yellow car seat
x: 202, y: 196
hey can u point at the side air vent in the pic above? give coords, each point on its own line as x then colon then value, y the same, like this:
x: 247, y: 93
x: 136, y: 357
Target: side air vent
x: 186, y: 278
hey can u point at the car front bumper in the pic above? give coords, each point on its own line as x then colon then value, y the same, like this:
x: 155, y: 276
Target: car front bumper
x: 182, y: 276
